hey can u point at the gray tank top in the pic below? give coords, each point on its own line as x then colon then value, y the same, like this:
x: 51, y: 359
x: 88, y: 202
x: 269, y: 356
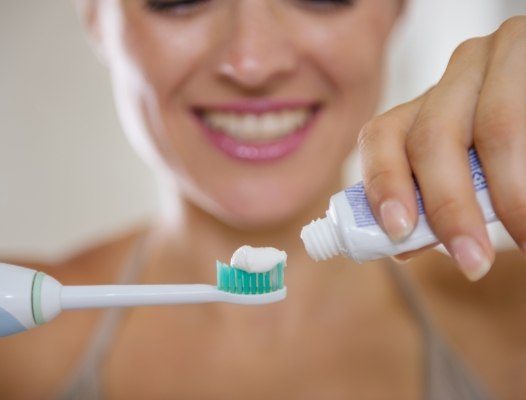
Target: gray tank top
x: 445, y: 375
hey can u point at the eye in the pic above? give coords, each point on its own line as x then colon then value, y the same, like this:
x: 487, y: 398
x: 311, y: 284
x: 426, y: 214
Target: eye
x: 179, y: 7
x: 326, y: 5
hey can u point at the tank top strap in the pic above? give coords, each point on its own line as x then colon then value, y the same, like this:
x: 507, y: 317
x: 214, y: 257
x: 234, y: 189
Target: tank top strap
x: 446, y: 376
x: 86, y: 381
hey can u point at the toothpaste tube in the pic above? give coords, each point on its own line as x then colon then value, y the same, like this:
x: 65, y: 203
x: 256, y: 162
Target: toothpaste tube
x: 350, y: 228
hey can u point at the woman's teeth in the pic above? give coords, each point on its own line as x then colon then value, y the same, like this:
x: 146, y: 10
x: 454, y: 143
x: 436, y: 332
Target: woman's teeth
x: 257, y: 127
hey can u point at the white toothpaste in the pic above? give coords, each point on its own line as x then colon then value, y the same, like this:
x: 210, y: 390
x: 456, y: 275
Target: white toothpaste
x: 351, y: 229
x: 257, y: 259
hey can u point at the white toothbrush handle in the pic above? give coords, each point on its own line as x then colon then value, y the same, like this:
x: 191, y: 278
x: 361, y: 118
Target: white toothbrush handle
x: 78, y: 297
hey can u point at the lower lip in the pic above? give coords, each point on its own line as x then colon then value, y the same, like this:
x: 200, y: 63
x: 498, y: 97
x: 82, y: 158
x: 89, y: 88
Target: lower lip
x: 257, y: 152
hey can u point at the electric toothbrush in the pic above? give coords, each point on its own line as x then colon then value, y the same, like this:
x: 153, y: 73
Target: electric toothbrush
x: 29, y: 298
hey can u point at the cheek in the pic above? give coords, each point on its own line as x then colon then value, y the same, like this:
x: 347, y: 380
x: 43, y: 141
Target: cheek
x: 351, y: 58
x: 353, y: 65
x: 165, y: 53
x: 152, y: 62
x: 349, y: 50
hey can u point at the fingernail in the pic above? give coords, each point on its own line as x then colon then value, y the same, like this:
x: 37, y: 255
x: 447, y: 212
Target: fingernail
x: 470, y: 257
x: 395, y: 219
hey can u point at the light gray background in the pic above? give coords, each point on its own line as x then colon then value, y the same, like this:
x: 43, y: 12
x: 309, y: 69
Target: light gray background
x: 67, y: 174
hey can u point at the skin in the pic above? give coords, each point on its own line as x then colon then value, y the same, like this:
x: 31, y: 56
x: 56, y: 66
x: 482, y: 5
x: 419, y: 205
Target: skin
x: 328, y: 339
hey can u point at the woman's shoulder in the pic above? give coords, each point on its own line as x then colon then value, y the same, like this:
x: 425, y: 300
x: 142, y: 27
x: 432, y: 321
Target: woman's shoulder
x: 100, y: 262
x: 96, y: 262
x: 52, y: 350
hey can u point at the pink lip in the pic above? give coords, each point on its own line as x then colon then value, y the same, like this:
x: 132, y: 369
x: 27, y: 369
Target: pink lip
x: 257, y: 151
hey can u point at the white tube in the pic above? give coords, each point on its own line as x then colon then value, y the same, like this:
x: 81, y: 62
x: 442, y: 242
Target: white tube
x: 351, y: 230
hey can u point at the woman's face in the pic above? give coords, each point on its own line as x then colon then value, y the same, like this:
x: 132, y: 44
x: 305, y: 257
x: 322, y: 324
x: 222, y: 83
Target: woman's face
x: 251, y: 106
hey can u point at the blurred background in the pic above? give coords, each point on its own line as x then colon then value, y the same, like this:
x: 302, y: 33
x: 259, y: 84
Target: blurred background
x: 67, y: 174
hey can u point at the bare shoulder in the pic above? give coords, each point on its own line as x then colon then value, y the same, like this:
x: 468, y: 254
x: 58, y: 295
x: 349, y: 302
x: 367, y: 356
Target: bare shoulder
x: 44, y: 355
x: 97, y: 263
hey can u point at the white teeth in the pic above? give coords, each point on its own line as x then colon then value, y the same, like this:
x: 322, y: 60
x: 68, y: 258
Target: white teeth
x: 255, y: 127
x: 267, y: 124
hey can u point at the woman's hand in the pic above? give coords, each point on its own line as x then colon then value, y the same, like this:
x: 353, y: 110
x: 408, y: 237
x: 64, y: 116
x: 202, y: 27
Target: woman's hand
x: 480, y: 100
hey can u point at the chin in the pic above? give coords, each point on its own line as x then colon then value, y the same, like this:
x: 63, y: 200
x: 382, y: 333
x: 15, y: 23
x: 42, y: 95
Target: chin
x: 257, y: 220
x: 262, y: 211
x: 261, y: 219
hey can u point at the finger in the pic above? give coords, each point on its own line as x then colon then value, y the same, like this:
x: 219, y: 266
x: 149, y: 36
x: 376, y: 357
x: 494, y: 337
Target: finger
x: 500, y: 130
x: 387, y: 175
x: 437, y: 147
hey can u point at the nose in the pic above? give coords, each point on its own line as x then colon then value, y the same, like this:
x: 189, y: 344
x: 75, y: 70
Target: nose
x: 256, y: 51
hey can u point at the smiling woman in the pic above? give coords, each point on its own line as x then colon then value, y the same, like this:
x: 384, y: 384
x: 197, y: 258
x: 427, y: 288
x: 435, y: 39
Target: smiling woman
x: 245, y: 110
x: 197, y: 63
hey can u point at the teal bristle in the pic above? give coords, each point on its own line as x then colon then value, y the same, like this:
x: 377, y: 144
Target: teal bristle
x: 234, y: 280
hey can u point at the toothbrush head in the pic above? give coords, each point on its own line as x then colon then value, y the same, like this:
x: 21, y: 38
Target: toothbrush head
x: 237, y: 281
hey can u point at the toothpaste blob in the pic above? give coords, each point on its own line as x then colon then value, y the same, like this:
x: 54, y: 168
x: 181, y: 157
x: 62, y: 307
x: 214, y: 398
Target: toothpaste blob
x: 257, y: 259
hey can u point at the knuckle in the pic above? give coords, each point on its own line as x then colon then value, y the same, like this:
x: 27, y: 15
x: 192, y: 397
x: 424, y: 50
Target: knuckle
x: 471, y: 48
x: 372, y: 132
x: 444, y: 212
x: 422, y: 139
x: 512, y: 208
x: 496, y: 127
x: 511, y: 34
x: 376, y: 185
x: 512, y: 28
x: 467, y: 48
x: 367, y: 134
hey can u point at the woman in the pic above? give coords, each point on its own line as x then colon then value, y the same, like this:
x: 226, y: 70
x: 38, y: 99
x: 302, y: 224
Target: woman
x: 246, y: 110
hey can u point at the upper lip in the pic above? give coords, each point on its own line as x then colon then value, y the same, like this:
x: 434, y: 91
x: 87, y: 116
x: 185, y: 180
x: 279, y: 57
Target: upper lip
x: 257, y: 106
